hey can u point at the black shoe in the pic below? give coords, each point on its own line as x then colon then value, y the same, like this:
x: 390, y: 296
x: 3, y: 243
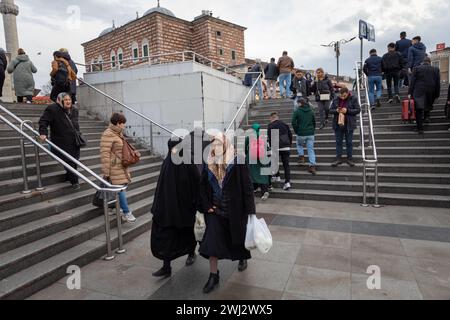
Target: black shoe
x: 242, y: 265
x: 213, y: 281
x: 390, y: 101
x: 191, y: 259
x: 397, y: 99
x: 76, y: 186
x: 163, y: 273
x: 378, y: 103
x: 427, y: 120
x: 421, y: 132
x: 322, y: 126
x: 350, y: 162
x: 337, y: 162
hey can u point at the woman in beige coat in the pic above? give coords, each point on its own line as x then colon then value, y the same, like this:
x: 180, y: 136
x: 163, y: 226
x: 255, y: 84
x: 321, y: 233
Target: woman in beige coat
x: 111, y: 146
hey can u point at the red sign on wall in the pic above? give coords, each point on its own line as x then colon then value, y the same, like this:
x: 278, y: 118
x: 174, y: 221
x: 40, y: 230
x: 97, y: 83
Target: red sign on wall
x: 440, y: 46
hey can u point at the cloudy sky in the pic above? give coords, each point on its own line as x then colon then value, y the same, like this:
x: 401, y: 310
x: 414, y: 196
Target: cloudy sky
x: 273, y: 26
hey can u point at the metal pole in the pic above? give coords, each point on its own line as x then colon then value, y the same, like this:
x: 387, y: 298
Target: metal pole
x: 364, y: 204
x: 26, y: 189
x: 151, y: 137
x: 362, y: 49
x: 109, y: 255
x: 376, y: 205
x: 38, y: 169
x: 121, y: 250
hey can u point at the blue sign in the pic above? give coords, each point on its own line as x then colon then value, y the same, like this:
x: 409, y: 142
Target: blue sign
x: 366, y: 31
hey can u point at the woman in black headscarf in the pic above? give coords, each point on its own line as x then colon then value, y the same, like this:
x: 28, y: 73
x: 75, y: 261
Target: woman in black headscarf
x: 174, y: 209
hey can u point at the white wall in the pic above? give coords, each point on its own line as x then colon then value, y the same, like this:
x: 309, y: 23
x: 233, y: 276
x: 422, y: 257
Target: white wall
x: 174, y: 95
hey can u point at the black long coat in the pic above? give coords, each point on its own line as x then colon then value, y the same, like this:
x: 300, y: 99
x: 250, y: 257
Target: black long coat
x: 353, y: 109
x: 237, y: 200
x: 425, y: 86
x: 61, y: 132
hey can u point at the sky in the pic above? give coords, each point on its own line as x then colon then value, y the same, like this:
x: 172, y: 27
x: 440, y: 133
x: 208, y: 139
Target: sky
x: 298, y: 26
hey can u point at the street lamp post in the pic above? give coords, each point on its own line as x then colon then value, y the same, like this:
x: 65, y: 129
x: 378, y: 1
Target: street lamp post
x: 337, y: 49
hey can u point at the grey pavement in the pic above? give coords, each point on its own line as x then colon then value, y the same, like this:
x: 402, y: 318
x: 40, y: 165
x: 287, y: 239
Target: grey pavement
x: 321, y: 251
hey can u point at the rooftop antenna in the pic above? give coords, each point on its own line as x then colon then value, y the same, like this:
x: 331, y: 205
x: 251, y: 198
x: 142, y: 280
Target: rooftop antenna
x: 137, y: 14
x: 114, y: 24
x: 158, y: 4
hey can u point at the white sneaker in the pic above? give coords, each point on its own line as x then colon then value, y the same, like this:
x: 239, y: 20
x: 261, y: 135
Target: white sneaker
x: 128, y: 217
x: 276, y: 179
x: 287, y: 186
x: 265, y: 196
x: 112, y: 212
x: 28, y: 102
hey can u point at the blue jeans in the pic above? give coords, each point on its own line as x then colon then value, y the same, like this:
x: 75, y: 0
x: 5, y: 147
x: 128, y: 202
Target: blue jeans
x: 285, y: 78
x: 342, y: 133
x: 375, y: 81
x: 309, y: 141
x: 260, y: 90
x: 124, y: 202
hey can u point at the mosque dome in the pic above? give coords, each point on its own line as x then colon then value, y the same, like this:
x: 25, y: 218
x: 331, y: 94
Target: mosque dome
x: 160, y: 10
x: 107, y: 30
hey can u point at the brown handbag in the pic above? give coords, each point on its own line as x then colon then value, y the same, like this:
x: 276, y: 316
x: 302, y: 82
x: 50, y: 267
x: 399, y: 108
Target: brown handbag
x: 341, y: 120
x: 130, y: 155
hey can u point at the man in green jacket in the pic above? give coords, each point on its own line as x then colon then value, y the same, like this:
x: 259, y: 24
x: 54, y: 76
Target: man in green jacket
x: 304, y: 124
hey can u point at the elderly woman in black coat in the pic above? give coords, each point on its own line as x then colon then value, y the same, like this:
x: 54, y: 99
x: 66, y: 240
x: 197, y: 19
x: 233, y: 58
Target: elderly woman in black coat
x: 62, y: 118
x: 174, y: 209
x: 226, y: 199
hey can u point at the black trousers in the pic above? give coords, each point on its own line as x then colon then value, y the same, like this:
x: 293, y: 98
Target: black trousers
x: 392, y: 77
x: 285, y: 156
x: 421, y: 115
x: 264, y: 187
x: 2, y: 79
x: 56, y: 90
x: 20, y: 99
x: 71, y: 177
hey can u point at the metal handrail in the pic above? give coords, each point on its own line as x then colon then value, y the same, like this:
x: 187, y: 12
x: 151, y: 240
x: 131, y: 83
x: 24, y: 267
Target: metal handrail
x: 149, y: 59
x: 361, y: 77
x: 130, y: 109
x: 233, y: 122
x: 110, y: 188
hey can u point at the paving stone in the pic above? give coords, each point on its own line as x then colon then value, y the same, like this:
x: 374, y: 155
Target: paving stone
x: 280, y: 252
x: 427, y: 249
x: 234, y: 291
x: 61, y: 292
x: 325, y: 258
x: 380, y: 245
x: 328, y: 239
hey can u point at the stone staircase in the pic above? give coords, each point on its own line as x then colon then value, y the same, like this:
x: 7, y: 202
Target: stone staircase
x: 413, y: 170
x: 43, y: 233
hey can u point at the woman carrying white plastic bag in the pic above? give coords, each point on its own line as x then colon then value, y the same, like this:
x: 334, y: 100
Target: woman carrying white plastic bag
x: 258, y: 235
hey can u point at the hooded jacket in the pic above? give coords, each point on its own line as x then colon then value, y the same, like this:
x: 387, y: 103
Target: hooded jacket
x: 373, y: 66
x: 23, y: 70
x: 3, y: 60
x: 304, y: 121
x: 416, y: 55
x: 299, y: 86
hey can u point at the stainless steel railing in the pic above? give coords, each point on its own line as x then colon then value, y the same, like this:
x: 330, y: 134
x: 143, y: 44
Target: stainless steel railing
x: 368, y: 164
x: 39, y: 147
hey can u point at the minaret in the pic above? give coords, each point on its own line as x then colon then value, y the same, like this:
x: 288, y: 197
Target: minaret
x: 9, y: 11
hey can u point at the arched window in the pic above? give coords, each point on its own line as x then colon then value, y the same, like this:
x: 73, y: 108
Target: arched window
x: 100, y: 62
x: 145, y: 48
x: 120, y: 57
x: 135, y: 51
x: 113, y: 59
x: 93, y: 67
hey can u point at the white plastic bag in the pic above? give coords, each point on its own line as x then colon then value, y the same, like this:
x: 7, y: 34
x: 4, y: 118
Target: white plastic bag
x: 258, y: 235
x: 199, y: 227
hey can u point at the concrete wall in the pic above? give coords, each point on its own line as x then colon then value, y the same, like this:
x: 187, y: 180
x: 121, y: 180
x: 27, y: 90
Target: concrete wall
x: 174, y: 95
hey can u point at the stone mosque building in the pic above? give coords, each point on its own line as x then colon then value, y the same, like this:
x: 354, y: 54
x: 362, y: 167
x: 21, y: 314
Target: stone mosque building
x: 159, y: 31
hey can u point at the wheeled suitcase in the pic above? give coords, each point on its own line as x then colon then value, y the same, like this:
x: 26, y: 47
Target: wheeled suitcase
x: 408, y: 110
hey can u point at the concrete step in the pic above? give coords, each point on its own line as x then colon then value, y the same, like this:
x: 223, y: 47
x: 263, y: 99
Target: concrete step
x: 37, y: 277
x: 5, y: 133
x: 300, y: 173
x: 16, y: 201
x: 9, y: 161
x: 390, y: 143
x: 68, y: 217
x: 87, y: 228
x: 356, y: 197
x: 51, y: 166
x: 14, y: 141
x: 16, y: 185
x: 387, y: 151
x: 82, y: 122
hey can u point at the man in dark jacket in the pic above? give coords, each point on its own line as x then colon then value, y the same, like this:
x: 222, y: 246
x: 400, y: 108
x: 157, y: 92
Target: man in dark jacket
x: 284, y: 147
x: 256, y: 71
x: 304, y: 124
x: 346, y: 106
x: 392, y: 63
x: 425, y: 88
x: 248, y: 78
x: 416, y: 53
x: 373, y: 70
x: 299, y: 87
x: 3, y: 66
x: 402, y: 46
x: 62, y: 132
x: 272, y: 72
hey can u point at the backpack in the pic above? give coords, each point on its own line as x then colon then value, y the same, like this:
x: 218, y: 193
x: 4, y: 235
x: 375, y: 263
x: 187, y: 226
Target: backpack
x: 257, y: 149
x: 62, y: 76
x: 130, y: 155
